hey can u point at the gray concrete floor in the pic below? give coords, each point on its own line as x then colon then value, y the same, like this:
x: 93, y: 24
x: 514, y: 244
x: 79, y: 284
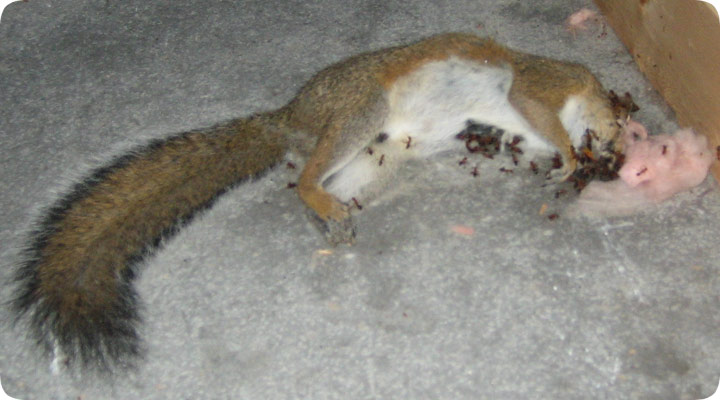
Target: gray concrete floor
x: 242, y: 304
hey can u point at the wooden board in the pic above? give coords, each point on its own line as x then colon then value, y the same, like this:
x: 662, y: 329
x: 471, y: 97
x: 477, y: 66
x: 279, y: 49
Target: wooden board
x: 676, y: 43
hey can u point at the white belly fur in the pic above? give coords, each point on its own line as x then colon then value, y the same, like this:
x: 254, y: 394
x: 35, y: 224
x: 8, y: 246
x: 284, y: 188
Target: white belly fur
x: 433, y: 104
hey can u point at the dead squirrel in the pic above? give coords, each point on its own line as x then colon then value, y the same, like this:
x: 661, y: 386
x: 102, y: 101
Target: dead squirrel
x: 403, y: 102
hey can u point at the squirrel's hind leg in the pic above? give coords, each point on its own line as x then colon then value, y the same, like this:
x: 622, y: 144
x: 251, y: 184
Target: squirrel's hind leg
x: 324, y: 185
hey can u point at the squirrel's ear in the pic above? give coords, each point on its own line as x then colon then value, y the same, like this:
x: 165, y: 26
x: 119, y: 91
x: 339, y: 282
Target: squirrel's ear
x: 622, y: 106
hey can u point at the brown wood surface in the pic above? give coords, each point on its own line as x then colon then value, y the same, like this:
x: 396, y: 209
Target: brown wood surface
x: 676, y: 43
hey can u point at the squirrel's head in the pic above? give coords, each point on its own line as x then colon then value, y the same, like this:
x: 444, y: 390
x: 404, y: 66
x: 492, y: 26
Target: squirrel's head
x: 622, y: 107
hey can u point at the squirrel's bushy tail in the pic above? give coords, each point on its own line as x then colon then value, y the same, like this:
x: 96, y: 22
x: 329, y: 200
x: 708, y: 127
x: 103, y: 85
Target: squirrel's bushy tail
x: 76, y: 280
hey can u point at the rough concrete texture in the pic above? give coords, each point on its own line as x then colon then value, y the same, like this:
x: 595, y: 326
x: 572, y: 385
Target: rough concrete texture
x: 242, y: 304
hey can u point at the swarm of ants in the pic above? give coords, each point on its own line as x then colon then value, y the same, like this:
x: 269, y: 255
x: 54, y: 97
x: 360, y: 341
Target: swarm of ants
x: 480, y: 138
x: 592, y: 166
x: 486, y: 140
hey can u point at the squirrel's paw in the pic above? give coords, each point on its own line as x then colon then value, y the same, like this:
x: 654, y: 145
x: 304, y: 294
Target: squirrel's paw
x: 335, y: 231
x: 561, y: 174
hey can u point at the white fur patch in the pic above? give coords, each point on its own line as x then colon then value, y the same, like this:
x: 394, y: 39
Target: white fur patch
x: 573, y: 116
x: 349, y: 181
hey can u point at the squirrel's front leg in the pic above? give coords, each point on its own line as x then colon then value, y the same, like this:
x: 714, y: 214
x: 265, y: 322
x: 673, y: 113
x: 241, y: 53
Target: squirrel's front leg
x: 547, y: 122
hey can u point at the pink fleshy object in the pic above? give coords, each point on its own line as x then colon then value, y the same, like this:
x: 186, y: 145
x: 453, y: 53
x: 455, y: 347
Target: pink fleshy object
x: 463, y: 230
x: 656, y: 168
x: 577, y: 21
